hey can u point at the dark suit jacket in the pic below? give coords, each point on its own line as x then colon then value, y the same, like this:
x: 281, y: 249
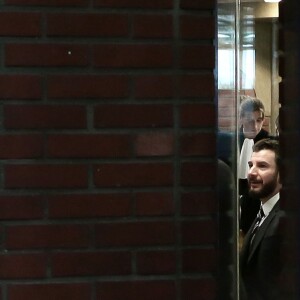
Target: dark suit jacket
x: 261, y: 262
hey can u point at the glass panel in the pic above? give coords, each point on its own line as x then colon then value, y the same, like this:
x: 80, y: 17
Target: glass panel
x: 247, y: 65
x: 227, y: 103
x: 247, y: 48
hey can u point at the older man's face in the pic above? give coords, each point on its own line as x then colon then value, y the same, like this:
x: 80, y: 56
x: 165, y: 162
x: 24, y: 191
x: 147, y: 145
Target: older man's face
x: 252, y: 123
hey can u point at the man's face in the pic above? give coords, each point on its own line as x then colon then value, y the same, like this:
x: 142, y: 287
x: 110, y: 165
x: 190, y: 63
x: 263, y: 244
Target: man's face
x: 252, y: 123
x: 263, y: 176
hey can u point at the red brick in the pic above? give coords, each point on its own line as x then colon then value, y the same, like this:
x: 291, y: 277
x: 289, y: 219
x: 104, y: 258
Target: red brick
x: 199, y: 260
x: 247, y: 92
x: 199, y: 232
x: 20, y: 24
x: 197, y: 27
x: 89, y: 146
x: 152, y: 86
x: 135, y: 234
x: 45, y: 176
x: 156, y: 262
x: 196, y: 86
x: 227, y: 124
x: 89, y: 206
x: 191, y: 287
x: 47, y: 2
x: 198, y: 4
x: 198, y: 173
x: 153, y: 26
x: 91, y: 264
x: 47, y: 236
x: 198, y: 144
x: 87, y: 25
x: 44, y: 116
x: 154, y: 144
x: 29, y: 87
x: 154, y: 204
x: 21, y: 146
x: 227, y: 98
x: 226, y: 112
x: 146, y: 4
x: 88, y: 86
x: 197, y: 57
x: 15, y: 266
x: 133, y: 175
x: 198, y: 115
x: 134, y: 290
x: 49, y: 291
x: 133, y: 116
x: 133, y: 56
x: 46, y: 55
x: 21, y: 207
x: 198, y: 203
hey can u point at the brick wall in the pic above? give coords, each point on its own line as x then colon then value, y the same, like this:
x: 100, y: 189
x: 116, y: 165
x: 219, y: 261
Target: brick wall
x: 107, y: 150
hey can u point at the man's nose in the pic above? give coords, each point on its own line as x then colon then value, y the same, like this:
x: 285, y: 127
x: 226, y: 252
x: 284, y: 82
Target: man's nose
x: 252, y: 171
x: 253, y: 124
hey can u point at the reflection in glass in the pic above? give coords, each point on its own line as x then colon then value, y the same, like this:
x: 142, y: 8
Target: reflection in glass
x: 247, y: 65
x: 247, y: 49
x: 226, y: 147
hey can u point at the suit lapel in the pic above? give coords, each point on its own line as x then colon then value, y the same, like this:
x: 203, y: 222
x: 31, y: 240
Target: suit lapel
x: 261, y: 231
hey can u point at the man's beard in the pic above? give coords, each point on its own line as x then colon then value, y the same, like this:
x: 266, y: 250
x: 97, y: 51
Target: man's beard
x: 266, y: 190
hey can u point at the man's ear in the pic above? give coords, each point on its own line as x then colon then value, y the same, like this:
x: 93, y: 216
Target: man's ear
x: 278, y: 178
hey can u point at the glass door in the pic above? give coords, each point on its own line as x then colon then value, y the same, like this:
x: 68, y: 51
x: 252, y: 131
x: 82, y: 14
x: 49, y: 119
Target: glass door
x: 247, y: 66
x: 228, y: 91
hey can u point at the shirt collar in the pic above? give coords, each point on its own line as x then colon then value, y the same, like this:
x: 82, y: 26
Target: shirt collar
x: 268, y: 206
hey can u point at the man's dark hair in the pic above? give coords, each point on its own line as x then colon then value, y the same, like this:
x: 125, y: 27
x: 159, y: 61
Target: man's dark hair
x: 249, y: 104
x: 269, y: 144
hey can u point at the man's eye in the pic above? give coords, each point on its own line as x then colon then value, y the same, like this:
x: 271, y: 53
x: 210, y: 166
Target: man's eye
x: 263, y: 166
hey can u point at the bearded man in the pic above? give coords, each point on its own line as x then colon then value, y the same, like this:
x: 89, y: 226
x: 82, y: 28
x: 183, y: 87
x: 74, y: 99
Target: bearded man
x: 260, y: 261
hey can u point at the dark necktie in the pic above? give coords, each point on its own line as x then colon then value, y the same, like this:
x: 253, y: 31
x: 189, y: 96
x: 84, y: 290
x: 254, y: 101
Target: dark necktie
x: 258, y: 219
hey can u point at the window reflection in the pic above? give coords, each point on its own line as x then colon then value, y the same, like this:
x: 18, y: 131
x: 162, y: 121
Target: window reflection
x: 226, y: 47
x: 227, y: 94
x: 247, y: 49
